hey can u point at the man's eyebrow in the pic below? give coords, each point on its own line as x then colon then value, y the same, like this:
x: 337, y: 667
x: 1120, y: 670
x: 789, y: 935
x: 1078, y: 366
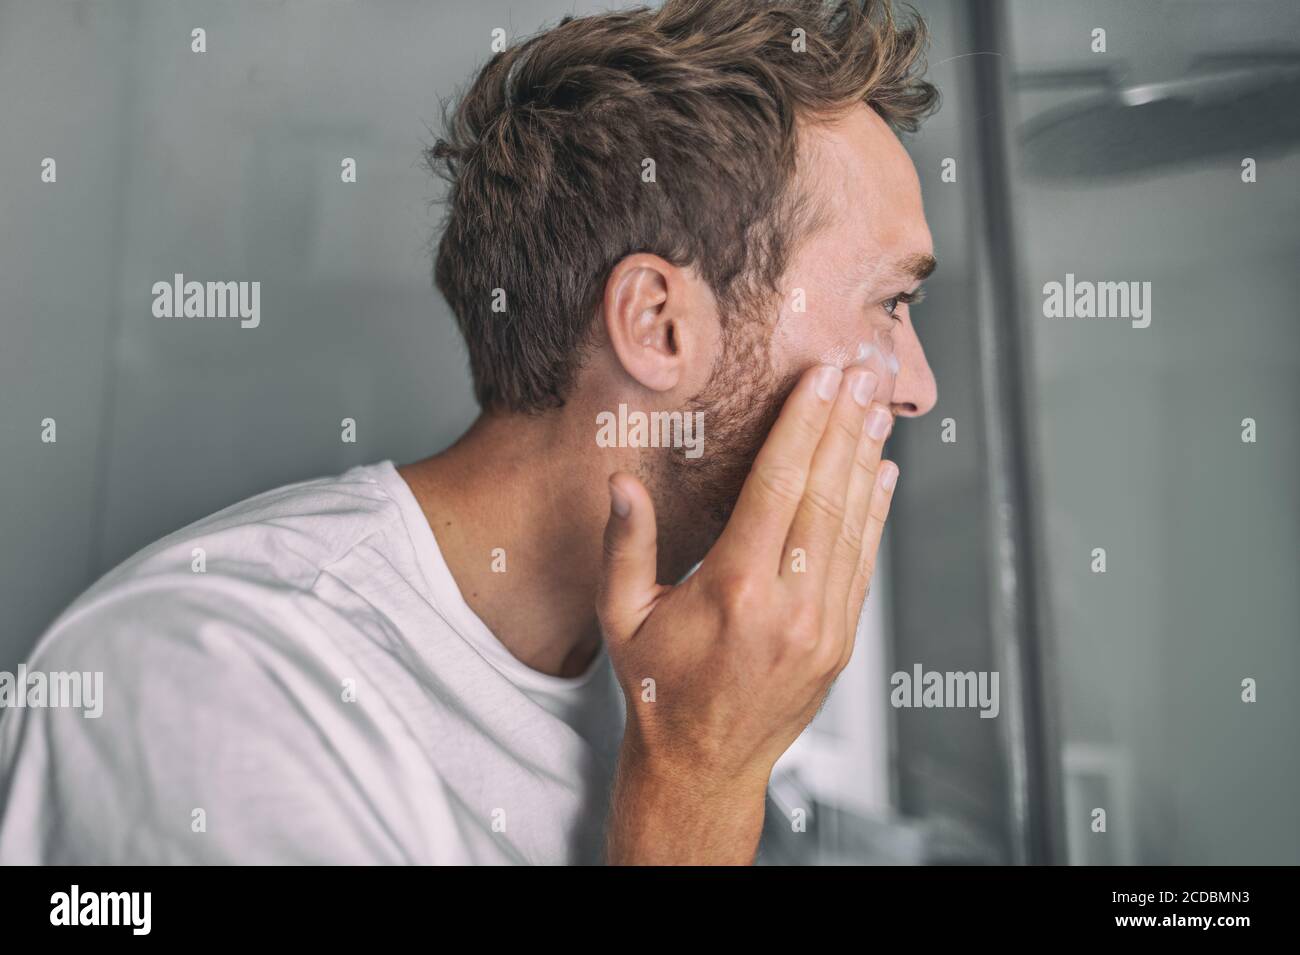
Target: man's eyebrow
x: 918, y: 266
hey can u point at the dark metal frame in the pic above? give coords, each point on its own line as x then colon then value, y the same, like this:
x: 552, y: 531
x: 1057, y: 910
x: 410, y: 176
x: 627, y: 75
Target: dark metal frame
x: 1020, y: 624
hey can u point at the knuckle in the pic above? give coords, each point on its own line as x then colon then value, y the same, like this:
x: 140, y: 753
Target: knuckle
x: 780, y: 481
x: 803, y: 628
x: 829, y: 657
x: 848, y: 428
x: 824, y: 505
x: 736, y: 594
x: 879, y: 509
x: 851, y: 535
x: 868, y: 460
x: 810, y: 427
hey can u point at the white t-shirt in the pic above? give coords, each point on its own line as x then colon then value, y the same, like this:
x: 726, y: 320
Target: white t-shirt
x: 320, y: 693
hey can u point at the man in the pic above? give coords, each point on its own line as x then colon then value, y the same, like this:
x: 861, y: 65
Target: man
x: 700, y: 215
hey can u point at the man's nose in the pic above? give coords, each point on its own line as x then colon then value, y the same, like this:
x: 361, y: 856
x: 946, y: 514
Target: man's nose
x: 915, y: 390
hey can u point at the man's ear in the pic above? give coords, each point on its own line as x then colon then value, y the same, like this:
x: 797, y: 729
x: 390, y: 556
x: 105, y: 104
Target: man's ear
x: 646, y: 317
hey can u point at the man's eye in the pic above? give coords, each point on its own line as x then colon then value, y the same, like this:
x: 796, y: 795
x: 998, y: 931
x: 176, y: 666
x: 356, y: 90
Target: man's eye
x: 890, y: 305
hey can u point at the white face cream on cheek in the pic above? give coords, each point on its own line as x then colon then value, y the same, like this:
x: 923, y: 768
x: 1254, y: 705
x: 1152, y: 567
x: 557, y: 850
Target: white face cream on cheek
x: 837, y: 337
x: 876, y: 354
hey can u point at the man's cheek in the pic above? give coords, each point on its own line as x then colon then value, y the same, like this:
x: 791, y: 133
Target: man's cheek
x: 872, y: 347
x: 820, y: 336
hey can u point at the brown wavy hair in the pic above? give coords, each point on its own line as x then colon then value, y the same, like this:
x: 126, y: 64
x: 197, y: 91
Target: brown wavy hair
x: 543, y: 156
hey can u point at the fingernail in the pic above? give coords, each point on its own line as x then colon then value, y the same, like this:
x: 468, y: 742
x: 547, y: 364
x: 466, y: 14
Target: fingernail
x: 864, y: 386
x: 888, y: 475
x: 828, y: 382
x: 894, y: 366
x: 618, y: 503
x: 878, y: 421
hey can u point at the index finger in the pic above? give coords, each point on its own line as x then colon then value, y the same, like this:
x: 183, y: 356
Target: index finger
x: 775, y: 486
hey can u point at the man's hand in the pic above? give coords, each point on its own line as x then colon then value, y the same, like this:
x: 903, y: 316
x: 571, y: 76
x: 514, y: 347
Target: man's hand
x: 743, y: 652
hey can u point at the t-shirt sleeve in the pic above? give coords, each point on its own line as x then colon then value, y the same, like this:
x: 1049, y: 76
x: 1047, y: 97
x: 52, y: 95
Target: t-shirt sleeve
x: 220, y: 739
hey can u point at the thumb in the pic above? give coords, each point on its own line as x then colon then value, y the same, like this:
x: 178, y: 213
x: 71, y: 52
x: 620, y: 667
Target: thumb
x: 629, y: 584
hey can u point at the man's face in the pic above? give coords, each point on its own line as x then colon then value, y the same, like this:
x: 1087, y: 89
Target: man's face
x: 875, y: 247
x: 848, y: 276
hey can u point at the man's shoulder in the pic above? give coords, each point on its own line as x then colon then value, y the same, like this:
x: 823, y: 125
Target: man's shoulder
x: 220, y: 678
x: 234, y: 585
x: 282, y: 536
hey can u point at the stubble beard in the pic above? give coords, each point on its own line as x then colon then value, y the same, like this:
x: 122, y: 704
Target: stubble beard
x: 694, y: 497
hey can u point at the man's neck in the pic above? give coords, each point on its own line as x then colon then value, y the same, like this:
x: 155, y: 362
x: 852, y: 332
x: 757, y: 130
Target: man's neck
x: 519, y: 515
